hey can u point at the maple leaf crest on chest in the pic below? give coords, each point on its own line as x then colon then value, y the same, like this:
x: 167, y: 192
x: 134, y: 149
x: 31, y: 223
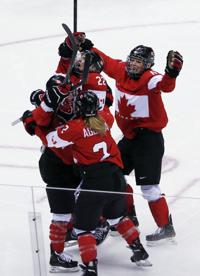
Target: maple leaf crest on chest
x: 125, y: 108
x: 66, y: 105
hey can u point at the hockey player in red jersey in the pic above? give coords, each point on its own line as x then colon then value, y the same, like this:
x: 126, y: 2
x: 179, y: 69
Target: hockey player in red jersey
x: 141, y: 116
x: 56, y: 164
x: 65, y: 53
x: 97, y: 83
x: 100, y: 164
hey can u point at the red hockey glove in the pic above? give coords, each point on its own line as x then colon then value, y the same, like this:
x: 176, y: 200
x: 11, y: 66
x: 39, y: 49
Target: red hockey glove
x: 79, y: 37
x: 28, y: 122
x: 174, y: 64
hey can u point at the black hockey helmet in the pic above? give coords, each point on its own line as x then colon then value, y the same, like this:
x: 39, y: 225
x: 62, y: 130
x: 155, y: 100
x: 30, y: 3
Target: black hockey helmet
x: 55, y: 80
x: 143, y: 53
x: 86, y: 104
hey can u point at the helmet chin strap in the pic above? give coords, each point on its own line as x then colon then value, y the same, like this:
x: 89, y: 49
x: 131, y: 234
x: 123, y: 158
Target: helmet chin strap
x: 136, y: 76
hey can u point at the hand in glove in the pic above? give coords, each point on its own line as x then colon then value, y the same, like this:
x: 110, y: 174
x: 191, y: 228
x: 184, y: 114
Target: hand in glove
x: 36, y: 97
x: 65, y: 49
x: 28, y: 122
x: 86, y: 45
x: 174, y: 64
x: 109, y: 97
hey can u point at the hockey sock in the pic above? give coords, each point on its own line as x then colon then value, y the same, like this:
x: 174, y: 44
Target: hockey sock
x: 127, y: 230
x: 130, y: 201
x: 57, y: 234
x: 160, y: 211
x: 87, y: 247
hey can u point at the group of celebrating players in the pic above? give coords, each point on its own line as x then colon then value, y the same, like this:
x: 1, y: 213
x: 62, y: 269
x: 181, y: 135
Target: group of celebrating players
x: 72, y: 118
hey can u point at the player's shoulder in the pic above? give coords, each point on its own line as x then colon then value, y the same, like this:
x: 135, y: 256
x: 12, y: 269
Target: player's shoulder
x: 150, y: 74
x: 94, y: 75
x: 76, y: 124
x: 96, y: 81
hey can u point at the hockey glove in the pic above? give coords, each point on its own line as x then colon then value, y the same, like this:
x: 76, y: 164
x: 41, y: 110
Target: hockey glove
x: 36, y: 97
x: 79, y: 38
x: 86, y: 45
x: 64, y: 50
x: 174, y: 64
x: 28, y: 122
x: 55, y: 95
x: 109, y: 97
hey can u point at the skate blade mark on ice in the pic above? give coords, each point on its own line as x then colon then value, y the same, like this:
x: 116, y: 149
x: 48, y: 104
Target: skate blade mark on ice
x: 143, y: 263
x: 71, y: 243
x: 55, y: 269
x: 170, y: 241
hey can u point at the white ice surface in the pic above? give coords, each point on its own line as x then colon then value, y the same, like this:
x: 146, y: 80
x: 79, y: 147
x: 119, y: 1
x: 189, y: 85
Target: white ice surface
x: 30, y: 34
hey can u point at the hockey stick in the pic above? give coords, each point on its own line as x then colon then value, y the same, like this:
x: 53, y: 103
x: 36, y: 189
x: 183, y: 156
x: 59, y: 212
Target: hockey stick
x: 68, y: 74
x: 74, y: 52
x: 85, y: 72
x: 16, y: 121
x: 82, y: 80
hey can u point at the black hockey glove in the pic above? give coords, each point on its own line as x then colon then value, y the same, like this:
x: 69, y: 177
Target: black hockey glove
x: 174, y: 64
x: 86, y: 45
x: 55, y: 95
x: 28, y: 122
x: 109, y: 97
x: 36, y: 97
x: 64, y: 50
x: 55, y: 80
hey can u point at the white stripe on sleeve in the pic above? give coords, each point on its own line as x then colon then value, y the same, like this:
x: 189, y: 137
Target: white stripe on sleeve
x: 153, y: 81
x: 55, y: 142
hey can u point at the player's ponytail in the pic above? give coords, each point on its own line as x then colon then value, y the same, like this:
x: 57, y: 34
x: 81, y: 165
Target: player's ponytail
x: 96, y: 123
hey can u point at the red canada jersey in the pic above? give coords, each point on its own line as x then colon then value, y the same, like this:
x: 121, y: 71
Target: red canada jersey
x: 88, y: 147
x: 138, y: 102
x: 95, y: 83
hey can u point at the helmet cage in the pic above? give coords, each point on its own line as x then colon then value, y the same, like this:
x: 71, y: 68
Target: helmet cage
x: 142, y: 53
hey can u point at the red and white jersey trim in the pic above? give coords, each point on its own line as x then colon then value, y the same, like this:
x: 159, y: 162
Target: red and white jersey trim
x: 54, y: 141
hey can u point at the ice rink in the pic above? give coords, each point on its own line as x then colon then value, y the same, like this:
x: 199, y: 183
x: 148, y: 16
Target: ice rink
x: 31, y: 32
